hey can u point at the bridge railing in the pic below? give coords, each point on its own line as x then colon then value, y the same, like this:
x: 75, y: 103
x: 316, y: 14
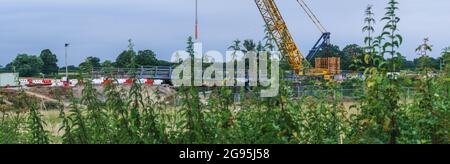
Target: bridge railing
x: 153, y: 72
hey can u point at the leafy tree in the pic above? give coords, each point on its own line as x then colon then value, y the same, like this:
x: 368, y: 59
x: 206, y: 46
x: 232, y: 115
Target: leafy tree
x: 352, y: 54
x: 146, y: 58
x: 90, y: 63
x: 26, y: 65
x: 107, y: 66
x: 50, y: 62
x: 427, y: 63
x: 436, y: 63
x: 126, y: 58
x: 403, y: 63
x: 70, y: 68
x: 164, y: 63
x: 446, y: 51
x: 329, y: 51
x: 408, y: 64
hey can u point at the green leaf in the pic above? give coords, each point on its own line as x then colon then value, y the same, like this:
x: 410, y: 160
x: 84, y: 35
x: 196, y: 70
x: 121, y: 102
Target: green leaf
x: 367, y: 58
x: 387, y: 44
x: 376, y: 60
x: 395, y: 44
x: 388, y: 26
x: 385, y: 18
x: 385, y: 33
x: 366, y: 71
x: 382, y: 64
x: 368, y: 40
x: 373, y: 71
x: 400, y: 38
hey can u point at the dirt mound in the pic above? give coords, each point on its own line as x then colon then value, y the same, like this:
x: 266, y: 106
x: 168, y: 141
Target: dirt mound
x: 16, y: 99
x: 62, y: 93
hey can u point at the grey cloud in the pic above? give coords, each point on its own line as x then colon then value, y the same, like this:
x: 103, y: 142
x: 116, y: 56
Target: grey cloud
x: 101, y: 27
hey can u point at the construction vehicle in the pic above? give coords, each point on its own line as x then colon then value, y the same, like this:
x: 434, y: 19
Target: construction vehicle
x: 275, y: 23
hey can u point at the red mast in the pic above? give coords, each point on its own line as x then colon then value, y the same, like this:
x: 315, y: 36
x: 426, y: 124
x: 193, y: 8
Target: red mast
x: 196, y: 21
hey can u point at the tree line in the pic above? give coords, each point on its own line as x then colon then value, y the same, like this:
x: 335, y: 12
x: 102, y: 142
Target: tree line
x: 32, y: 65
x: 352, y: 57
x: 45, y: 64
x: 352, y: 54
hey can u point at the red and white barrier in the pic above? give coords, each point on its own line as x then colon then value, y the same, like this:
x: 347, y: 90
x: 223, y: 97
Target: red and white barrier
x: 47, y: 82
x: 102, y: 81
x: 126, y: 81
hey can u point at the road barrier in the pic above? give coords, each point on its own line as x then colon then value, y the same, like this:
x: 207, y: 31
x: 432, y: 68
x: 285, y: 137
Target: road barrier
x: 100, y: 81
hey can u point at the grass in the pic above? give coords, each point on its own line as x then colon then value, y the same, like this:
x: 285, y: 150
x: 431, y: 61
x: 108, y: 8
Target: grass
x: 135, y: 117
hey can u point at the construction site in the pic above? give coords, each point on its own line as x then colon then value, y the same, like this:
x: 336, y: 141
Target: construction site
x: 301, y: 66
x: 356, y: 95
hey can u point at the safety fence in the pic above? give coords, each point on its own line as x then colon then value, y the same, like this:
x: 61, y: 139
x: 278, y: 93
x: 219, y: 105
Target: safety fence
x: 99, y: 81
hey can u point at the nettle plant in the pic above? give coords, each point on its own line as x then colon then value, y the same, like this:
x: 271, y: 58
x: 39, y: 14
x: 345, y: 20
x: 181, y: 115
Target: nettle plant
x: 377, y: 120
x: 370, y: 52
x: 390, y: 32
x: 382, y: 117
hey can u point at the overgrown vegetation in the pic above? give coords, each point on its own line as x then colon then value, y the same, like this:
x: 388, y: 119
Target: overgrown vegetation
x: 132, y: 118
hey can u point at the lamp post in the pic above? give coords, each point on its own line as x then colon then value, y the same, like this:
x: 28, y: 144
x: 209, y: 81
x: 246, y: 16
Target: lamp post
x: 67, y: 69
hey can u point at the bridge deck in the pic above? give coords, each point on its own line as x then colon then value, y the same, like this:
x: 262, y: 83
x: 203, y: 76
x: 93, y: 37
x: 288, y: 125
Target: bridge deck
x: 156, y: 72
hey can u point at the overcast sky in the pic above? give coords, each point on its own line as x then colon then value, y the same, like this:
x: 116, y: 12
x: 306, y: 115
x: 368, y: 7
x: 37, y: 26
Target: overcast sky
x: 102, y: 27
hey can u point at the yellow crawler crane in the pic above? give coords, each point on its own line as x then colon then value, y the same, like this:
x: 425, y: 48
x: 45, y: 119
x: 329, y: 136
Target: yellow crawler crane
x: 283, y: 38
x: 284, y: 41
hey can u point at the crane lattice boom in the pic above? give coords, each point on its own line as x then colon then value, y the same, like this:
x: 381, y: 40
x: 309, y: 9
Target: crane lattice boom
x: 280, y: 33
